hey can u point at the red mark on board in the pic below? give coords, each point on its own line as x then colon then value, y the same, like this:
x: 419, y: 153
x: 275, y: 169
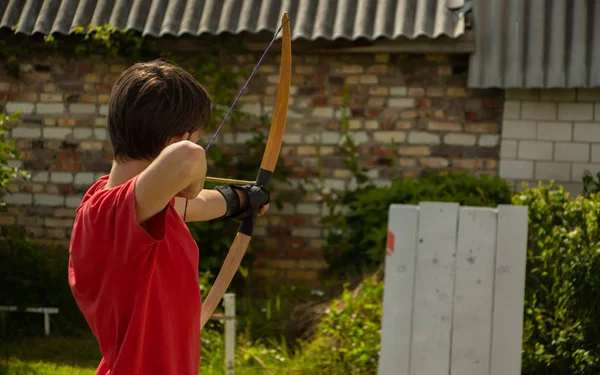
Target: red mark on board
x: 389, y: 245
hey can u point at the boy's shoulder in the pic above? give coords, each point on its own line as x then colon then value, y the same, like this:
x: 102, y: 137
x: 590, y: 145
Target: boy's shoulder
x: 97, y: 193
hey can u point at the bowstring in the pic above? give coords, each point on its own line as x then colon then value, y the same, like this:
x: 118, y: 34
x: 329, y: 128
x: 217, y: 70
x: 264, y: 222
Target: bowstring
x: 237, y: 98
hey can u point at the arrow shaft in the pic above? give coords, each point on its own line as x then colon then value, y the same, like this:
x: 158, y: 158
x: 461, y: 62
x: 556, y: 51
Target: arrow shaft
x: 229, y: 181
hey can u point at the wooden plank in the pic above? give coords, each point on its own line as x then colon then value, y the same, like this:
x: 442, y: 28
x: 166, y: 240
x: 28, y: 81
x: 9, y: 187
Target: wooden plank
x: 398, y: 290
x: 473, y: 291
x: 434, y: 288
x: 509, y: 290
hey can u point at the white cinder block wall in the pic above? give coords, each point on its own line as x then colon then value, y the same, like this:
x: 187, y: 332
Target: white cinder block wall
x: 550, y: 134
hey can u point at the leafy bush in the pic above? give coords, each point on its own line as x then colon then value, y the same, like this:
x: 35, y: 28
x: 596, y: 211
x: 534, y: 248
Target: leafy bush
x: 561, y: 331
x: 357, y: 235
x: 347, y: 339
x: 33, y: 275
x: 8, y: 151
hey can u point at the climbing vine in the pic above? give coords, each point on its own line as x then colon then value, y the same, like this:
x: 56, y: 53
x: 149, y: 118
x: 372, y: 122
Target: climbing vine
x: 210, y: 67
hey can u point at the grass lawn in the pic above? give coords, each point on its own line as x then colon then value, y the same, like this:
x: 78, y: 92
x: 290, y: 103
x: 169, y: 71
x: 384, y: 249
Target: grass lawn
x: 49, y: 356
x: 80, y: 356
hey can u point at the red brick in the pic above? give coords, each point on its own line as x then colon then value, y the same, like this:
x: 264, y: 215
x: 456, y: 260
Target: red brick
x: 300, y: 254
x: 444, y: 126
x: 416, y: 91
x: 68, y: 166
x: 382, y: 151
x: 409, y: 114
x: 482, y: 127
x: 466, y: 163
x: 487, y: 152
x: 457, y: 92
x: 492, y: 103
x: 34, y: 232
x: 32, y: 188
x: 491, y: 164
x: 433, y: 162
x: 296, y: 221
x: 66, y: 122
x: 104, y: 89
x: 66, y: 189
x: 293, y: 244
x: 471, y: 116
x: 414, y: 150
x: 373, y: 113
x: 434, y: 92
x: 320, y: 101
x: 449, y: 151
x: 305, y: 275
x: 84, y: 67
x: 279, y: 230
x: 29, y: 96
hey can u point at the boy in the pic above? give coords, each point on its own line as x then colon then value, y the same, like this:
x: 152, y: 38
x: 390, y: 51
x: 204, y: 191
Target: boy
x: 133, y: 266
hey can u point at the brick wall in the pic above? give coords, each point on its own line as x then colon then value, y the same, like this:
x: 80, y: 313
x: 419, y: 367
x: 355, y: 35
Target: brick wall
x: 420, y: 101
x: 551, y: 135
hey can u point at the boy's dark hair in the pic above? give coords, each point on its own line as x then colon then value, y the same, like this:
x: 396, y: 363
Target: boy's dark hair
x: 151, y: 103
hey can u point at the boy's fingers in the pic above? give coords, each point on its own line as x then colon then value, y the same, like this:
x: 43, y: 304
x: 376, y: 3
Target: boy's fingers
x: 263, y: 209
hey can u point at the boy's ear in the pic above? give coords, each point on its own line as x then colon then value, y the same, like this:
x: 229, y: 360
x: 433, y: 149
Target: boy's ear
x: 179, y: 138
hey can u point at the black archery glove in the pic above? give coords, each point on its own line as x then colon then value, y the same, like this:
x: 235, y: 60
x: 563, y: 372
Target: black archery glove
x: 256, y: 197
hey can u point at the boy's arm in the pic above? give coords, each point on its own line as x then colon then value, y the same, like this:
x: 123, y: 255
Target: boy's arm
x: 208, y: 205
x: 180, y: 170
x: 213, y: 204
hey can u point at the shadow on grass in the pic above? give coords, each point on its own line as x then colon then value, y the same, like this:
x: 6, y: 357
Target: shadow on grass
x: 56, y: 355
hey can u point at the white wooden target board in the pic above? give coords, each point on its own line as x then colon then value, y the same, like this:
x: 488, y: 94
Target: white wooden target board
x: 454, y: 289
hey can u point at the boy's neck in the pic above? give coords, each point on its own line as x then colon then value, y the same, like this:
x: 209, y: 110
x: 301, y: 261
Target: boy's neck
x: 122, y: 172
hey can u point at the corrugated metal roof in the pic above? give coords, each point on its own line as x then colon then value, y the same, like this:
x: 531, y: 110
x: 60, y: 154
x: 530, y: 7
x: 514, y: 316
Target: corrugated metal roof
x: 311, y: 19
x: 536, y: 44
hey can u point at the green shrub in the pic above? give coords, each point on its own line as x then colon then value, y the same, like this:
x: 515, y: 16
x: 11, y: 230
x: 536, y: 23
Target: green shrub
x: 8, y: 151
x: 357, y: 236
x: 346, y: 341
x: 561, y: 330
x: 33, y: 275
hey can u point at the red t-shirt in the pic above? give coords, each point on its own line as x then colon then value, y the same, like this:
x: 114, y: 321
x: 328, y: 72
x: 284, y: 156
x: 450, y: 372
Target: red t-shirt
x: 138, y: 289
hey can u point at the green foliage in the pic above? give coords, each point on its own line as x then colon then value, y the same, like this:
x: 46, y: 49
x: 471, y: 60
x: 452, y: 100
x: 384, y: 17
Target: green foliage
x: 591, y: 184
x: 8, y: 152
x: 33, y: 275
x: 562, y: 309
x: 357, y: 233
x: 9, y: 53
x: 347, y: 339
x: 105, y: 39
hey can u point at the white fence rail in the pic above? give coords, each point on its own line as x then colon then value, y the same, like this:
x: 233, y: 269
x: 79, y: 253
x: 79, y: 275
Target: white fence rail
x: 47, y: 311
x: 454, y: 289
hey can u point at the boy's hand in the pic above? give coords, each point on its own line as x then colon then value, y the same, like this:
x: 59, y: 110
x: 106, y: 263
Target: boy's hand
x: 253, y: 199
x: 263, y: 209
x: 244, y: 200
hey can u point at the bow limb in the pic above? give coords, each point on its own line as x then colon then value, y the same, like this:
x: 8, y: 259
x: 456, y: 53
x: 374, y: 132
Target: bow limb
x: 267, y: 166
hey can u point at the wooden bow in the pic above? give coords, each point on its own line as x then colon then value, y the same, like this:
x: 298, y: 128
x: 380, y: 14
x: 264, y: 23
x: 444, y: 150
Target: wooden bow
x: 267, y: 166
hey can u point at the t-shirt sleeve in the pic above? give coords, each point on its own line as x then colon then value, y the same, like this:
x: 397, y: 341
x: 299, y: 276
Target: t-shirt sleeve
x: 117, y: 206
